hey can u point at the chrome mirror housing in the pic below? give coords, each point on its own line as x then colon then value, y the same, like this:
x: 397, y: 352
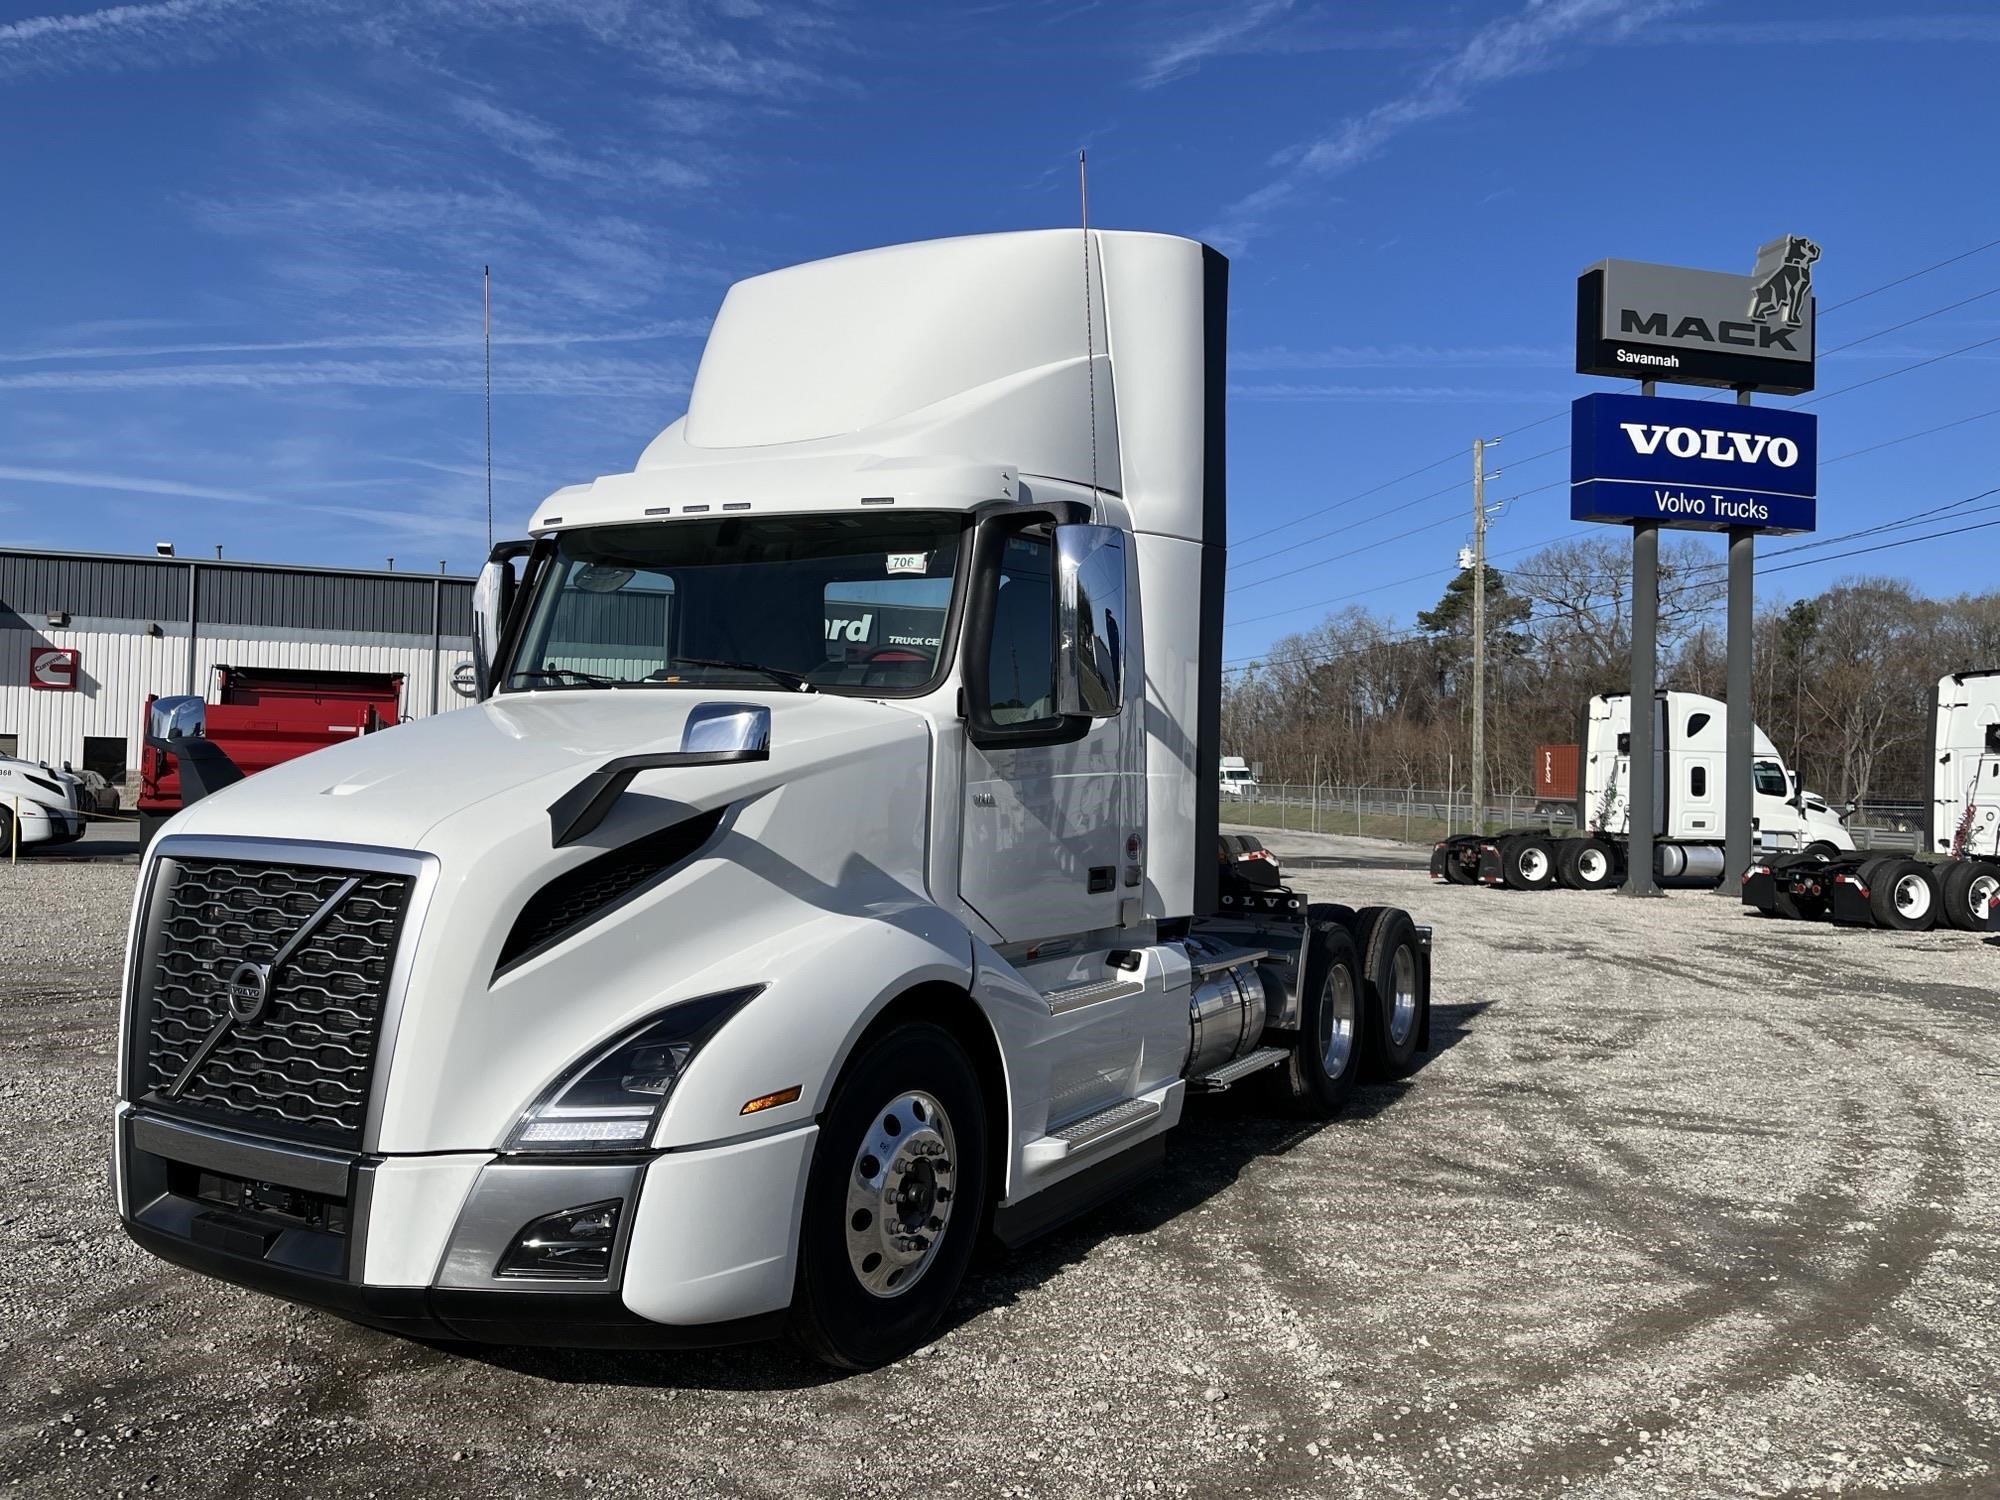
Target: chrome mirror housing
x: 1090, y: 621
x: 727, y: 728
x: 180, y: 716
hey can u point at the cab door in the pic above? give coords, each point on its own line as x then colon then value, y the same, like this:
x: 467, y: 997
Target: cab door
x: 1052, y: 837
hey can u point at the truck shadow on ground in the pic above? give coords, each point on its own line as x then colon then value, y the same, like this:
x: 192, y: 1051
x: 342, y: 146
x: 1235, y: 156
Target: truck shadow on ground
x: 1218, y: 1137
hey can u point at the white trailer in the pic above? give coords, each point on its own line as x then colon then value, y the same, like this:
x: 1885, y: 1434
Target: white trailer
x: 1690, y: 806
x: 720, y: 974
x: 38, y: 805
x: 1962, y: 888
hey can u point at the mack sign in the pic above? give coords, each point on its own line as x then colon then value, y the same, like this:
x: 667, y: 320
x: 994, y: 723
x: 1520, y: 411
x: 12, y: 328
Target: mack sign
x: 1698, y: 465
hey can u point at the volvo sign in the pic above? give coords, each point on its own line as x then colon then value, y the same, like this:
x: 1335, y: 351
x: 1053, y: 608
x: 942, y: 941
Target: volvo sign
x: 1651, y: 322
x: 1699, y: 465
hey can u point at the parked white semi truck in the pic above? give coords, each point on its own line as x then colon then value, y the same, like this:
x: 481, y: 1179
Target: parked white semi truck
x: 1690, y: 794
x: 716, y: 975
x: 1960, y: 890
x: 37, y: 805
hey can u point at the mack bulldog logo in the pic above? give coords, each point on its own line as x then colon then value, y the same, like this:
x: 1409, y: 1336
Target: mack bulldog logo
x: 1782, y: 280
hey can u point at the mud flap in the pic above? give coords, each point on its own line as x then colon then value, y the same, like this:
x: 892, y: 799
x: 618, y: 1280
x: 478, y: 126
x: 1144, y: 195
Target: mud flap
x: 1760, y: 889
x: 1848, y: 902
x: 1489, y: 865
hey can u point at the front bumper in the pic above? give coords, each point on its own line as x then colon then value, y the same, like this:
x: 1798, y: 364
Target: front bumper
x: 41, y: 823
x: 411, y: 1245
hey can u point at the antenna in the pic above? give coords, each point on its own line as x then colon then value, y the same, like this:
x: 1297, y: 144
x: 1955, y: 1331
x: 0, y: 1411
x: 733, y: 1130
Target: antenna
x: 486, y: 312
x: 1089, y: 326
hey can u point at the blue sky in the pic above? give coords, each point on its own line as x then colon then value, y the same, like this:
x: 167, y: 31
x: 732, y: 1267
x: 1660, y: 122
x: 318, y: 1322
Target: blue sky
x: 239, y: 269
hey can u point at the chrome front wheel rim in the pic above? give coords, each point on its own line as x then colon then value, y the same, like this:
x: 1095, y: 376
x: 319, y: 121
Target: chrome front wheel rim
x: 1337, y: 1015
x: 900, y: 1194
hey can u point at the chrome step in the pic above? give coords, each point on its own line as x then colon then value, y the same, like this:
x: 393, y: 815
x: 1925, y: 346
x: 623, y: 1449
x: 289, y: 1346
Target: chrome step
x: 1091, y: 1132
x: 1097, y: 992
x: 1238, y: 1069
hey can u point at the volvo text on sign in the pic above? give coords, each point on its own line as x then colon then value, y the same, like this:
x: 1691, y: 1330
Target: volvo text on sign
x: 1694, y: 464
x: 52, y: 669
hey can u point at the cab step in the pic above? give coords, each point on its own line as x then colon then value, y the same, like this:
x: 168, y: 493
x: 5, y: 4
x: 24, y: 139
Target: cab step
x: 1238, y: 1069
x: 1081, y: 1137
x: 1096, y: 992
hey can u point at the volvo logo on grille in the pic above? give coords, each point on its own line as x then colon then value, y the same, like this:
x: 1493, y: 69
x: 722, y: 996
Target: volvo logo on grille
x: 248, y: 987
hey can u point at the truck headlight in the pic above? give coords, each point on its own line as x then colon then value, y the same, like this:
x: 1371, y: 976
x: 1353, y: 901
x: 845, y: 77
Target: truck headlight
x: 611, y: 1100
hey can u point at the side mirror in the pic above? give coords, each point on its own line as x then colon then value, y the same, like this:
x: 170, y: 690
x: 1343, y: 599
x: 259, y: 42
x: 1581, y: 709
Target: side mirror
x: 492, y: 598
x: 179, y: 717
x: 1090, y: 621
x: 727, y: 728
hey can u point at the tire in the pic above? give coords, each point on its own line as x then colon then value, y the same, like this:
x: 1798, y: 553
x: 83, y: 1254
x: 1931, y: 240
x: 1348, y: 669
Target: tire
x: 1822, y: 846
x: 1904, y: 896
x: 1566, y: 852
x: 1967, y: 890
x: 6, y: 833
x: 912, y: 1096
x: 1528, y: 862
x: 1596, y: 867
x: 1315, y: 1081
x: 1394, y: 984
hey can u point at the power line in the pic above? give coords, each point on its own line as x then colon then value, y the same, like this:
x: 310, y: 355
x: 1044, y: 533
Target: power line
x: 1938, y: 266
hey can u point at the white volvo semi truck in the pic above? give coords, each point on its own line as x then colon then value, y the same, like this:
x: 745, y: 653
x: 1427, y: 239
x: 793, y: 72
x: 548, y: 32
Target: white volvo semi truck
x: 1690, y: 797
x: 1959, y: 889
x: 732, y: 965
x: 38, y: 805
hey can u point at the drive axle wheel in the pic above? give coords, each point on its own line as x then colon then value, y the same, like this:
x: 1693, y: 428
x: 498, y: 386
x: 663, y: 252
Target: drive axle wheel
x: 1969, y: 890
x: 1903, y: 896
x: 894, y: 1201
x: 1591, y: 867
x: 1528, y: 862
x: 1394, y: 985
x: 1316, y: 1079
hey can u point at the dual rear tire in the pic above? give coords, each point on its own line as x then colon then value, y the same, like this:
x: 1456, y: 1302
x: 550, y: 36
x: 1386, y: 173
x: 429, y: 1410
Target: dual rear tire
x: 1967, y: 890
x: 1586, y: 864
x: 1366, y: 1006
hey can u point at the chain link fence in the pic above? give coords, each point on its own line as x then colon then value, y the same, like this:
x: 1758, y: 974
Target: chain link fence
x: 1423, y: 815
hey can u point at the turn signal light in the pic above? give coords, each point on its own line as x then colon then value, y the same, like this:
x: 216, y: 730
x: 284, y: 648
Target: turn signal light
x: 772, y: 1101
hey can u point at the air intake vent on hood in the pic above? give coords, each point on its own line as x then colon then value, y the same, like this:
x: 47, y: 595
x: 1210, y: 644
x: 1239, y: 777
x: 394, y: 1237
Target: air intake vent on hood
x: 578, y: 897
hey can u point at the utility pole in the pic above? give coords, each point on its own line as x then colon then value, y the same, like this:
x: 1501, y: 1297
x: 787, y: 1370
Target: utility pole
x: 1479, y: 635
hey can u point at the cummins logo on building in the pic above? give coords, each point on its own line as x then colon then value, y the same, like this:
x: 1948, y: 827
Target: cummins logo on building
x: 1652, y: 322
x: 1659, y: 458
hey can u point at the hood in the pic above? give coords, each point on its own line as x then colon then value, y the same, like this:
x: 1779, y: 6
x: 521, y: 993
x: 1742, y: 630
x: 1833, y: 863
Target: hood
x: 400, y: 787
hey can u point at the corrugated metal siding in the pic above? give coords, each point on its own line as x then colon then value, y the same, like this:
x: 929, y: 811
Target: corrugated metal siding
x: 31, y: 586
x: 622, y: 619
x: 316, y: 601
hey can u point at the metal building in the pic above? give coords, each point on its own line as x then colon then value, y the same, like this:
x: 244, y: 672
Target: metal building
x: 86, y: 637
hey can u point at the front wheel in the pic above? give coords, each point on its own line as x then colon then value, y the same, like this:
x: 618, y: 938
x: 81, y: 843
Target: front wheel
x: 894, y: 1201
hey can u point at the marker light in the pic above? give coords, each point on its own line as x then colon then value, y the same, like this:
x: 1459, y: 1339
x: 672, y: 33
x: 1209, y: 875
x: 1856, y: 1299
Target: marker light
x: 611, y: 1100
x: 772, y: 1101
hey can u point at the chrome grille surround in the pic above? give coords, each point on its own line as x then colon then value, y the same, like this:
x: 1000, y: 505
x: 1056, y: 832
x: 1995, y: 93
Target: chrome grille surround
x: 312, y: 1065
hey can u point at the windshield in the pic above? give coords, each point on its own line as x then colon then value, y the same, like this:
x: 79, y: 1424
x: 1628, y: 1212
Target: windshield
x: 853, y: 603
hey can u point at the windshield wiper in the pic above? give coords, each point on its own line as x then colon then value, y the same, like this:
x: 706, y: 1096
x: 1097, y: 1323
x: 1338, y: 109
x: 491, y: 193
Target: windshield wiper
x: 791, y: 680
x: 563, y: 674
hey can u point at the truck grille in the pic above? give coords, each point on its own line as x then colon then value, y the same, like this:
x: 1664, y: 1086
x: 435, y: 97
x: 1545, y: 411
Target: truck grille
x: 296, y: 1062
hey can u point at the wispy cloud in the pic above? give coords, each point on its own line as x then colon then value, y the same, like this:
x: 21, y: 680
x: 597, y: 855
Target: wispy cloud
x: 1182, y: 54
x: 682, y: 328
x: 1524, y: 42
x: 1398, y: 393
x: 546, y: 377
x: 733, y: 49
x: 405, y: 520
x: 1394, y: 357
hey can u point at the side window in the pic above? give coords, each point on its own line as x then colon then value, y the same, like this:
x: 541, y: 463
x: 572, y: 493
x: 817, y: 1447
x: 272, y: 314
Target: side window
x: 1770, y: 779
x: 1698, y: 781
x: 1696, y: 723
x: 1020, y: 662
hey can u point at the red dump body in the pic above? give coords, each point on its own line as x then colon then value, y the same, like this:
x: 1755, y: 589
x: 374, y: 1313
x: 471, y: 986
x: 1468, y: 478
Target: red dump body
x: 1555, y: 773
x: 264, y: 715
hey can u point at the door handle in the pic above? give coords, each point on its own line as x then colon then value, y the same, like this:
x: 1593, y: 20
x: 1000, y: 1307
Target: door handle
x: 1102, y: 878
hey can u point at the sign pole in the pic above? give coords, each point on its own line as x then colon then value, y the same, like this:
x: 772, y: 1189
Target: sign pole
x: 1642, y: 794
x: 1739, y: 750
x: 1478, y: 635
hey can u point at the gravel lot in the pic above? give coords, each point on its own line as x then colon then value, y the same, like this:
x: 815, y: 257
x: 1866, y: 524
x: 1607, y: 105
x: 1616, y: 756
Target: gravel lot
x: 1685, y: 1203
